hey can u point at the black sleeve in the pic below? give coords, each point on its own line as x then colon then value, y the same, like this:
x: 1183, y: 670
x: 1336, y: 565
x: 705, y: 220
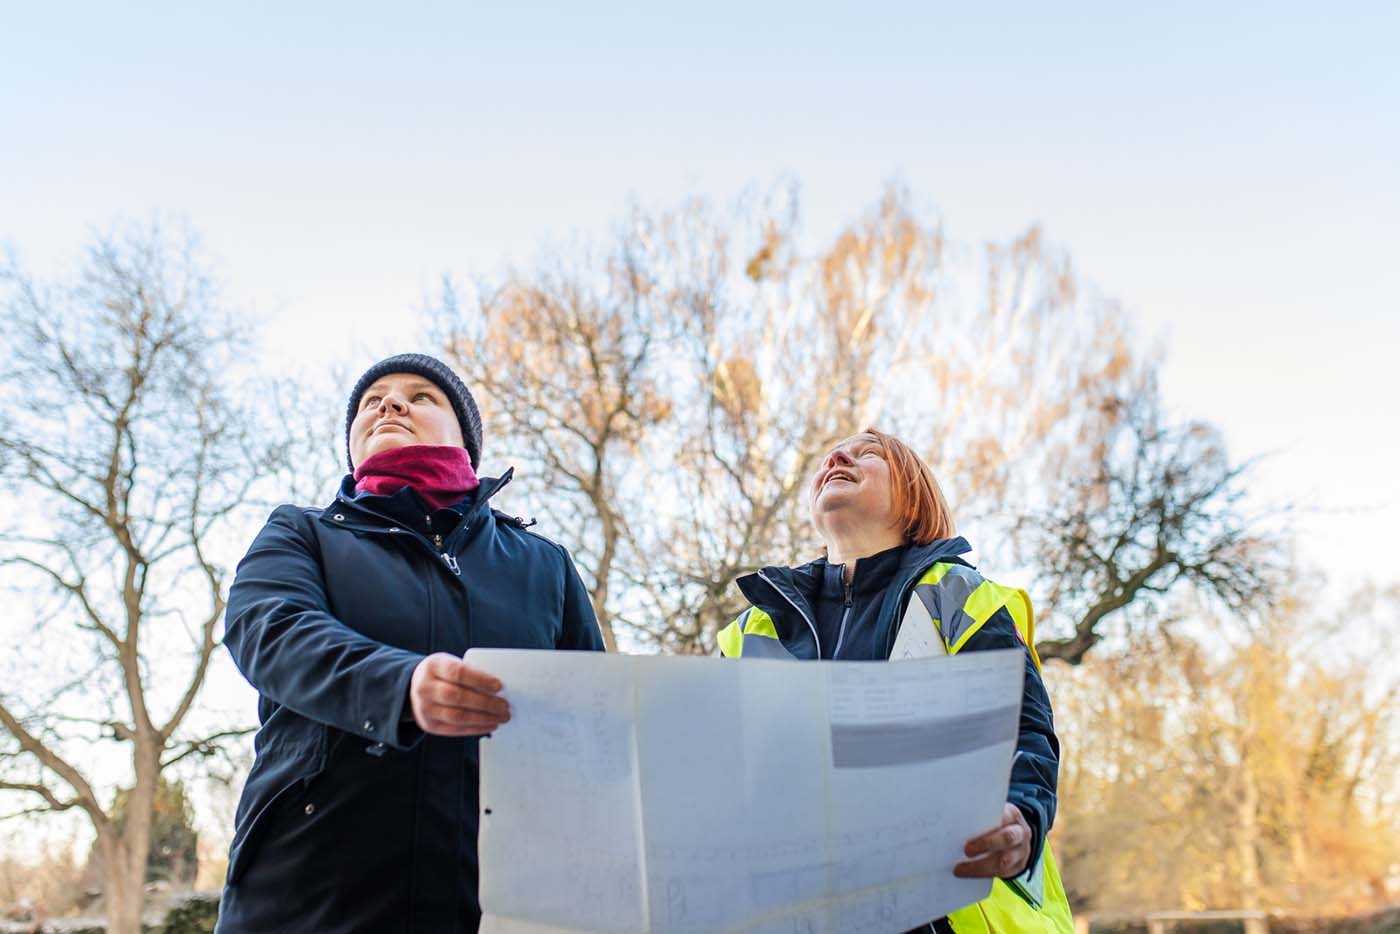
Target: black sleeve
x: 283, y: 638
x: 1035, y: 770
x: 580, y: 628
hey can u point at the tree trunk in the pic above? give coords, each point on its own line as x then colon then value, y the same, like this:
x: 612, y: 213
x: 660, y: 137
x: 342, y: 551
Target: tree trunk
x: 603, y: 573
x: 126, y: 875
x: 605, y: 626
x: 126, y: 895
x: 1247, y: 838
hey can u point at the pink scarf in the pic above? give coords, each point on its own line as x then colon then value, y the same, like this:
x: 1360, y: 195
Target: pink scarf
x: 439, y: 473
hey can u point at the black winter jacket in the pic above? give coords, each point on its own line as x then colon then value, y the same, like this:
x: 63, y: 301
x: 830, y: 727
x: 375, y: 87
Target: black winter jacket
x: 352, y: 820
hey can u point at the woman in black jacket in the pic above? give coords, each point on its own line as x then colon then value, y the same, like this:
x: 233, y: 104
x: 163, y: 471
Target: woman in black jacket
x: 889, y: 540
x: 360, y: 812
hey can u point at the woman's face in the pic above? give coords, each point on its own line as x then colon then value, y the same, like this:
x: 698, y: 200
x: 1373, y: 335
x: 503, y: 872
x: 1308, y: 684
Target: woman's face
x: 852, y: 488
x: 402, y: 409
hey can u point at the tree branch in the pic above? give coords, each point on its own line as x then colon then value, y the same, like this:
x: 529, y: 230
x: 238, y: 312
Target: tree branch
x: 206, y: 746
x: 78, y: 590
x: 87, y: 798
x: 51, y: 801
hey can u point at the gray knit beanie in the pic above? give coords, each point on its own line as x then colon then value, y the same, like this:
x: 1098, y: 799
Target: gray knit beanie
x: 468, y: 417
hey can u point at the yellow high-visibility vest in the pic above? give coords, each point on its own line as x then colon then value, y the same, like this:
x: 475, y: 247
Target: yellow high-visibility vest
x: 961, y: 601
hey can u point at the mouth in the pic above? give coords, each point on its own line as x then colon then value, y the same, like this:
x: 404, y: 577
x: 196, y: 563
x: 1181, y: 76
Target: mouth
x: 383, y: 426
x: 837, y: 475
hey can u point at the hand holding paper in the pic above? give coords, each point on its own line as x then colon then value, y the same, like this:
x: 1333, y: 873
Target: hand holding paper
x: 448, y: 697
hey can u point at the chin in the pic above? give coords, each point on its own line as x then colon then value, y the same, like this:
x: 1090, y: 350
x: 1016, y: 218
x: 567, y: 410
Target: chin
x: 832, y: 500
x: 386, y: 442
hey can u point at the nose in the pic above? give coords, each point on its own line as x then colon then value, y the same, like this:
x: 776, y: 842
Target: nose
x: 838, y: 458
x: 392, y: 403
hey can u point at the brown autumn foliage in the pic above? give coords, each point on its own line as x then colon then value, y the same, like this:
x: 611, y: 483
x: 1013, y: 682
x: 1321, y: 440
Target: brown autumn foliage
x: 1209, y: 767
x: 668, y: 395
x: 44, y: 883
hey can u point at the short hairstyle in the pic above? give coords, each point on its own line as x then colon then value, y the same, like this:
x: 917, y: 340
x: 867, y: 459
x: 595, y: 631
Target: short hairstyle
x: 917, y: 499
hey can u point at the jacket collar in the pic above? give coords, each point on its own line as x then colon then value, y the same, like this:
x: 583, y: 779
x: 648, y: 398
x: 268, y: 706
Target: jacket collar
x: 803, y: 578
x: 778, y: 590
x: 919, y: 557
x: 360, y: 511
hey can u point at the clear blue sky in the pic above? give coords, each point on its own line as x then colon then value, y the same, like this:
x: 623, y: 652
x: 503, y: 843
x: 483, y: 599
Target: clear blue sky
x: 1228, y: 171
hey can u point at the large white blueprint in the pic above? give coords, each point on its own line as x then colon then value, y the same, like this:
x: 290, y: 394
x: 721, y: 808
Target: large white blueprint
x: 656, y: 794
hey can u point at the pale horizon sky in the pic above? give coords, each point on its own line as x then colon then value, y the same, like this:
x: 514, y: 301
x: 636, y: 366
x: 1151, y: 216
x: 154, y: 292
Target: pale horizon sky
x: 1227, y: 174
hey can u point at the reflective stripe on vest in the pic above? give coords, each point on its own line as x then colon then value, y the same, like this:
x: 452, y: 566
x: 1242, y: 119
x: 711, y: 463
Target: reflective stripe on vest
x: 973, y: 600
x: 967, y: 601
x: 751, y: 622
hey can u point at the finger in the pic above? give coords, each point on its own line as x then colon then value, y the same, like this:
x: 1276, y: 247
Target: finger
x: 983, y: 868
x: 449, y: 694
x: 440, y: 712
x: 1013, y: 862
x: 986, y: 840
x: 441, y: 666
x: 458, y: 713
x: 1000, y: 864
x: 1004, y: 837
x: 459, y: 732
x: 451, y: 668
x: 460, y: 725
x: 997, y: 837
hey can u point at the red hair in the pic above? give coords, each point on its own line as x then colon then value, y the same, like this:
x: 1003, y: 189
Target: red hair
x: 916, y: 498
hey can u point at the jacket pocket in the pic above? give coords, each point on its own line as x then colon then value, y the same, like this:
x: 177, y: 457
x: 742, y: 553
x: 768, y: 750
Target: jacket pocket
x: 296, y: 769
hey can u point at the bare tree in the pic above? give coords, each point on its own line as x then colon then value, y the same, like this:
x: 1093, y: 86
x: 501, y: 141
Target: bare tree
x: 651, y: 402
x: 783, y: 355
x: 124, y: 454
x: 567, y: 369
x: 1150, y: 506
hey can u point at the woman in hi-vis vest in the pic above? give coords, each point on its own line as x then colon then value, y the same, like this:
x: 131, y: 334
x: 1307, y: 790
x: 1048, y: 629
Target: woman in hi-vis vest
x: 887, y: 529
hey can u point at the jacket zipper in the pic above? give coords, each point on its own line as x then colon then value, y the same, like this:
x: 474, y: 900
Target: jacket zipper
x: 845, y: 615
x: 449, y: 560
x: 813, y: 628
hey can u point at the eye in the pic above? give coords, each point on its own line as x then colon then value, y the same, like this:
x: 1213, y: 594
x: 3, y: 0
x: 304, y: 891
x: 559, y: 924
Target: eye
x: 369, y: 402
x: 425, y: 395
